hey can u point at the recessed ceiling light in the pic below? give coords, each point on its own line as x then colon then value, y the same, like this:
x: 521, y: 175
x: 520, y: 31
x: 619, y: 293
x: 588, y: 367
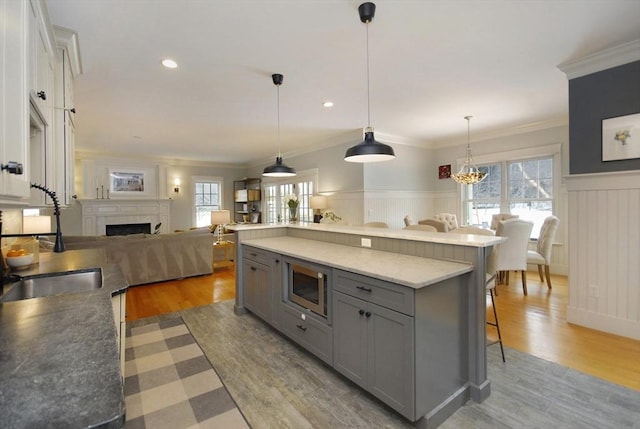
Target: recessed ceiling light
x: 169, y: 63
x: 328, y: 104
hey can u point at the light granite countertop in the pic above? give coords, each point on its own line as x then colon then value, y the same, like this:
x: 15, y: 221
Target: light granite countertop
x: 411, y: 271
x: 59, y: 360
x: 404, y: 234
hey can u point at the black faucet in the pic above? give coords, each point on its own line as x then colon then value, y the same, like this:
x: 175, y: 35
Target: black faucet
x: 59, y: 245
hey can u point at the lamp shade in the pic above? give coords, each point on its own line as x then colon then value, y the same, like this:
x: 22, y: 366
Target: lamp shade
x: 369, y: 150
x: 220, y: 217
x: 318, y: 202
x: 278, y: 169
x: 36, y: 224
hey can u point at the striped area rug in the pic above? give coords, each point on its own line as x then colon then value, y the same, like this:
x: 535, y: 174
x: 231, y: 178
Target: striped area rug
x: 169, y: 383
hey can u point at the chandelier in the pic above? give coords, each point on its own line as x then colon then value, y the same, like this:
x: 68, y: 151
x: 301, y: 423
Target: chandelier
x: 469, y: 173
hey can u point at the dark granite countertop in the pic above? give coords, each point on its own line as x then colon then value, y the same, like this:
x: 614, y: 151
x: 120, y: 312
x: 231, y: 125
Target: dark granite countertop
x: 59, y: 360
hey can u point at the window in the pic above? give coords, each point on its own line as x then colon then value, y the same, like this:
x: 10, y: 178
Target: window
x: 207, y: 196
x: 302, y: 185
x: 522, y: 186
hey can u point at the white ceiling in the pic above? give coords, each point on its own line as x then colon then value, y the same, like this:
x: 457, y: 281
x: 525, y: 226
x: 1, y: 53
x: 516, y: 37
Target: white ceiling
x: 431, y: 64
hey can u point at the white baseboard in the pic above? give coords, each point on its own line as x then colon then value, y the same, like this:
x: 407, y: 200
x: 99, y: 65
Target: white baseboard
x: 602, y: 322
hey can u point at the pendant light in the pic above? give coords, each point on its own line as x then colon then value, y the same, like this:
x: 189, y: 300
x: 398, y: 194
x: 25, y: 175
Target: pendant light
x: 369, y: 150
x: 279, y: 169
x: 469, y: 173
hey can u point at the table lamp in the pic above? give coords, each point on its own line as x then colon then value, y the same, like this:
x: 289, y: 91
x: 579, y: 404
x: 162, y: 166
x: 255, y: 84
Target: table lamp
x: 318, y: 203
x: 220, y: 218
x: 35, y: 225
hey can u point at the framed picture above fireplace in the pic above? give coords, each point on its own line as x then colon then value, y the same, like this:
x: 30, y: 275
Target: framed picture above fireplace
x: 128, y: 182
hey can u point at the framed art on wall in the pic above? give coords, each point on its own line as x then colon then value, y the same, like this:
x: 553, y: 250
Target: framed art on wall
x: 122, y: 181
x: 621, y: 137
x: 444, y: 171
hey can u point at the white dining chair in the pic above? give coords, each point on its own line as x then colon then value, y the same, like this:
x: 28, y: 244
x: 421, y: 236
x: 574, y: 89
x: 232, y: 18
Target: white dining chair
x: 542, y: 255
x: 449, y: 218
x: 475, y: 230
x: 437, y: 224
x: 511, y: 255
x: 408, y: 220
x: 500, y: 217
x: 427, y: 228
x: 377, y: 224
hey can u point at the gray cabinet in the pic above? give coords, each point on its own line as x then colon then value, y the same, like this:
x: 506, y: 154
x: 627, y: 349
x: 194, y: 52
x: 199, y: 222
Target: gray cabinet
x: 312, y: 334
x: 263, y: 284
x: 374, y: 348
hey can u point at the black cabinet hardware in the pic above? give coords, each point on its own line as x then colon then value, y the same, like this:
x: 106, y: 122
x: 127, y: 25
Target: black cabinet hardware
x: 302, y: 328
x: 368, y: 314
x: 360, y: 312
x: 13, y: 167
x: 366, y: 289
x: 42, y: 94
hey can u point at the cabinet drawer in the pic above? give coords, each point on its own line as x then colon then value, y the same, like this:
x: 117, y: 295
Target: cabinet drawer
x: 257, y: 255
x: 311, y: 334
x: 385, y: 294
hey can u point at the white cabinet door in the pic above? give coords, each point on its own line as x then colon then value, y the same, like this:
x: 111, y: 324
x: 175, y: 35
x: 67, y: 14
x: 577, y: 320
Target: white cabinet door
x: 41, y: 60
x: 14, y: 99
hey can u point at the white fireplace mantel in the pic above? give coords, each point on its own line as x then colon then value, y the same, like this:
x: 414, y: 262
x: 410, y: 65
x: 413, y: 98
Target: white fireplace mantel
x: 98, y: 213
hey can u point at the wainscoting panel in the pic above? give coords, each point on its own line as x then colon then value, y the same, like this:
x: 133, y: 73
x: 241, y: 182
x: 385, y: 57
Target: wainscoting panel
x: 604, y: 249
x: 392, y: 206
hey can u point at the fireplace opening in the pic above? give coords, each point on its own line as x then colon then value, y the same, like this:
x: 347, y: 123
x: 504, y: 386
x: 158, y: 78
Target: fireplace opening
x: 128, y: 228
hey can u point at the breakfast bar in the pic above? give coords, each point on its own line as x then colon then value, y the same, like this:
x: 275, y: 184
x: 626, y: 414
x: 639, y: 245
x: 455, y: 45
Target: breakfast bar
x: 399, y: 313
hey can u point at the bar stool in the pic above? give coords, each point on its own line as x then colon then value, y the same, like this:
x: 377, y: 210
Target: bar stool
x: 491, y: 285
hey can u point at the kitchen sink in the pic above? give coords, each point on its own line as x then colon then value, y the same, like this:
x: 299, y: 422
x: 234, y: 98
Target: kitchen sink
x: 42, y: 285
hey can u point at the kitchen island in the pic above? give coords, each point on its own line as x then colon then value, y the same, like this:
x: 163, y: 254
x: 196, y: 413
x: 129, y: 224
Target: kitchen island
x: 59, y: 358
x: 416, y: 298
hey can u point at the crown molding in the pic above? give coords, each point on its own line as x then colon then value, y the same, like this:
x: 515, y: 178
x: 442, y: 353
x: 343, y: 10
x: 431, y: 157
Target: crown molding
x: 146, y: 160
x: 602, y: 60
x: 502, y: 132
x: 68, y: 39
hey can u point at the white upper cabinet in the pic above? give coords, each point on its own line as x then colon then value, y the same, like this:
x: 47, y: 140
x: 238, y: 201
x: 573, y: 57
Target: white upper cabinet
x: 42, y: 58
x: 37, y: 68
x: 14, y: 101
x: 68, y: 68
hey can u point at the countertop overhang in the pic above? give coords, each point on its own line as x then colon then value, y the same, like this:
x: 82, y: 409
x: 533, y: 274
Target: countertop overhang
x: 410, y: 271
x: 403, y: 234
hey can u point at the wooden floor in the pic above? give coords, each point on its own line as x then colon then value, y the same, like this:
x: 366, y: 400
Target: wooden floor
x: 535, y: 324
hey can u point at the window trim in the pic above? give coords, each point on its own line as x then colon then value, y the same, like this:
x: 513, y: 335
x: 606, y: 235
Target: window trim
x: 310, y: 175
x: 208, y: 179
x: 552, y: 150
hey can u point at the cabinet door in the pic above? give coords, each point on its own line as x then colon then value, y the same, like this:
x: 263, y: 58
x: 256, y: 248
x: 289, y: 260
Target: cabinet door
x: 390, y: 350
x: 119, y: 303
x: 40, y: 61
x: 14, y: 102
x: 257, y: 291
x: 312, y: 334
x: 350, y: 337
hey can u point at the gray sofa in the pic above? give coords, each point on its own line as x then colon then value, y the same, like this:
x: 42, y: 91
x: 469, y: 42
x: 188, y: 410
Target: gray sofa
x: 149, y: 258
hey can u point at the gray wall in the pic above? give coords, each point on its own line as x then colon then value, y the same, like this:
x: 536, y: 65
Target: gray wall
x: 411, y: 171
x: 592, y: 98
x: 449, y: 155
x: 334, y: 174
x: 183, y: 203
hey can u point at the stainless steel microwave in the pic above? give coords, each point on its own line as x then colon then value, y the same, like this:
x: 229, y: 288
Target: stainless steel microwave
x: 308, y: 288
